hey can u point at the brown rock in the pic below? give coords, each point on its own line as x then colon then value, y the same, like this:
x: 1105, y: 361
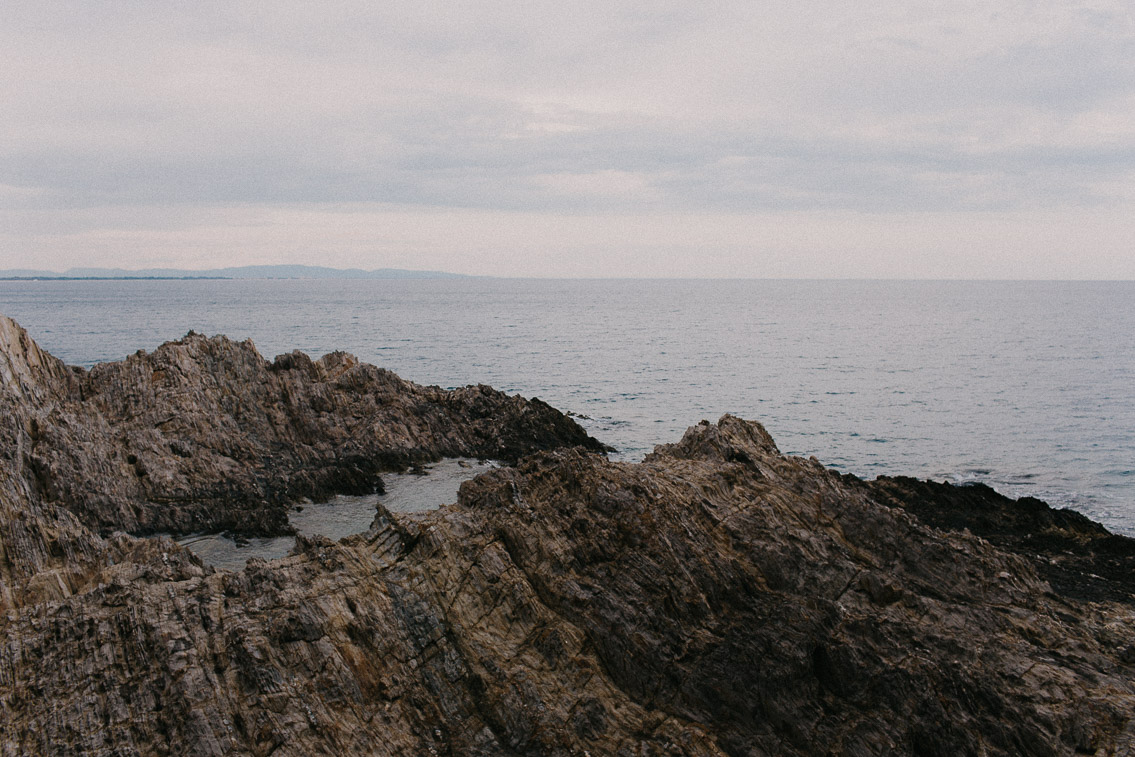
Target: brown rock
x: 718, y: 598
x: 205, y: 435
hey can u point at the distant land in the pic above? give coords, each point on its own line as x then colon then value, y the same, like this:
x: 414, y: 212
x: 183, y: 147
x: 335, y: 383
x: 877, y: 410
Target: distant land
x: 241, y: 272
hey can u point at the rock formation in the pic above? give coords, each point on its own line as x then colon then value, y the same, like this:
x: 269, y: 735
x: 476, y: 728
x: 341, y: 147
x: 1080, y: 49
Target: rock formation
x: 718, y: 598
x: 205, y: 435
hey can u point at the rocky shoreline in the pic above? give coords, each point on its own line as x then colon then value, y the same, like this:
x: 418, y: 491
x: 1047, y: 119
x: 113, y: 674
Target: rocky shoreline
x: 718, y: 598
x: 206, y: 435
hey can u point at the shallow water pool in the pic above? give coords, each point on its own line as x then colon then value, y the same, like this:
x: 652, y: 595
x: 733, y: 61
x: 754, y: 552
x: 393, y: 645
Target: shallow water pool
x: 434, y: 486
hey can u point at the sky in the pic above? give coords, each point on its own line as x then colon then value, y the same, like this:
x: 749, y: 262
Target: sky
x: 896, y: 139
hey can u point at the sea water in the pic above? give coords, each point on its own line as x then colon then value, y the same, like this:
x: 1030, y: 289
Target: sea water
x: 424, y: 488
x: 1026, y: 386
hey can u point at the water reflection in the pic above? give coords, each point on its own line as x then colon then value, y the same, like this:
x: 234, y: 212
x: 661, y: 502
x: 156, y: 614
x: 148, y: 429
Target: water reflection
x: 342, y: 515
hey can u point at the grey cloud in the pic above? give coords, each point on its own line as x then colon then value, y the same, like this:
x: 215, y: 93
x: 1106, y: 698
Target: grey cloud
x: 475, y: 154
x: 560, y: 108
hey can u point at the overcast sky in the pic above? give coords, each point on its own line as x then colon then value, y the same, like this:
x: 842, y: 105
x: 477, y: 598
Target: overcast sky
x: 801, y: 139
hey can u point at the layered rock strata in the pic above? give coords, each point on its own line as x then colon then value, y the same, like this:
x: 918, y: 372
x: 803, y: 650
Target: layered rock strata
x: 204, y: 434
x: 719, y: 598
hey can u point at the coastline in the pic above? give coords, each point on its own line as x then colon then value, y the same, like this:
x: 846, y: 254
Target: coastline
x: 1022, y: 386
x: 717, y: 598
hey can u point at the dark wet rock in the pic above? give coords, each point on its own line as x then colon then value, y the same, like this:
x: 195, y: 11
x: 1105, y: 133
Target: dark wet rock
x: 717, y: 599
x: 1080, y: 558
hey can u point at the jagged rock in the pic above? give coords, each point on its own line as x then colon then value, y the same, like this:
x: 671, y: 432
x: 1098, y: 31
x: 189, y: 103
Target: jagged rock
x: 717, y: 599
x: 205, y: 435
x: 1079, y: 557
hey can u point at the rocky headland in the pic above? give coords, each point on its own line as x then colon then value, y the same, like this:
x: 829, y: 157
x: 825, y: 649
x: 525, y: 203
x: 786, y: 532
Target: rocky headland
x: 718, y: 598
x: 204, y: 434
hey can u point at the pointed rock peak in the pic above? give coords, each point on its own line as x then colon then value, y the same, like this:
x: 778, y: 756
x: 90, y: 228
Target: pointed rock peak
x: 731, y: 439
x: 295, y: 360
x: 25, y: 369
x: 335, y: 364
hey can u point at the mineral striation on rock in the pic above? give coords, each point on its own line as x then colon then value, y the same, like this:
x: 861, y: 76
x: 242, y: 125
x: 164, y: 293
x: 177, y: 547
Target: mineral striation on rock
x: 718, y: 598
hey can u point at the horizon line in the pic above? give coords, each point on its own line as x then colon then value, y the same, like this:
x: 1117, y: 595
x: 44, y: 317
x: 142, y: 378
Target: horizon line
x: 217, y: 274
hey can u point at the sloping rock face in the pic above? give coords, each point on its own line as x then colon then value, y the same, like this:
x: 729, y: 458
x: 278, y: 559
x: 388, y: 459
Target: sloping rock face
x: 717, y: 599
x: 1080, y: 558
x: 205, y: 435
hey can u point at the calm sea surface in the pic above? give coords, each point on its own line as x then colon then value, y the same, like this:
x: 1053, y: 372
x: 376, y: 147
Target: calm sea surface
x: 1027, y: 386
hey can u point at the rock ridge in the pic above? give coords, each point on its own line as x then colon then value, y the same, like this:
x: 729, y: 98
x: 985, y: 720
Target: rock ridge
x: 204, y: 434
x: 719, y: 598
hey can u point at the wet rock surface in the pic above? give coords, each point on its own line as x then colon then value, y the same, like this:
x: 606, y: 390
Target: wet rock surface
x: 718, y: 598
x: 1080, y: 558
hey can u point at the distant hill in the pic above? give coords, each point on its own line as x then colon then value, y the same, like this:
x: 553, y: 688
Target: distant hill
x: 241, y: 272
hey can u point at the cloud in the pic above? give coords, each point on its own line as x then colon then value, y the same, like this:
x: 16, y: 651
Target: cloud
x: 578, y: 109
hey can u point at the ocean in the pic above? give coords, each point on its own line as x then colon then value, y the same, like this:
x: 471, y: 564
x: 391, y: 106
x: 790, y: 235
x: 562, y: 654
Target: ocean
x: 1026, y: 386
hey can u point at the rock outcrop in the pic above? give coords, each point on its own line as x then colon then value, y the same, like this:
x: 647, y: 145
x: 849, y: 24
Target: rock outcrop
x: 1080, y: 558
x: 205, y: 435
x: 718, y: 598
